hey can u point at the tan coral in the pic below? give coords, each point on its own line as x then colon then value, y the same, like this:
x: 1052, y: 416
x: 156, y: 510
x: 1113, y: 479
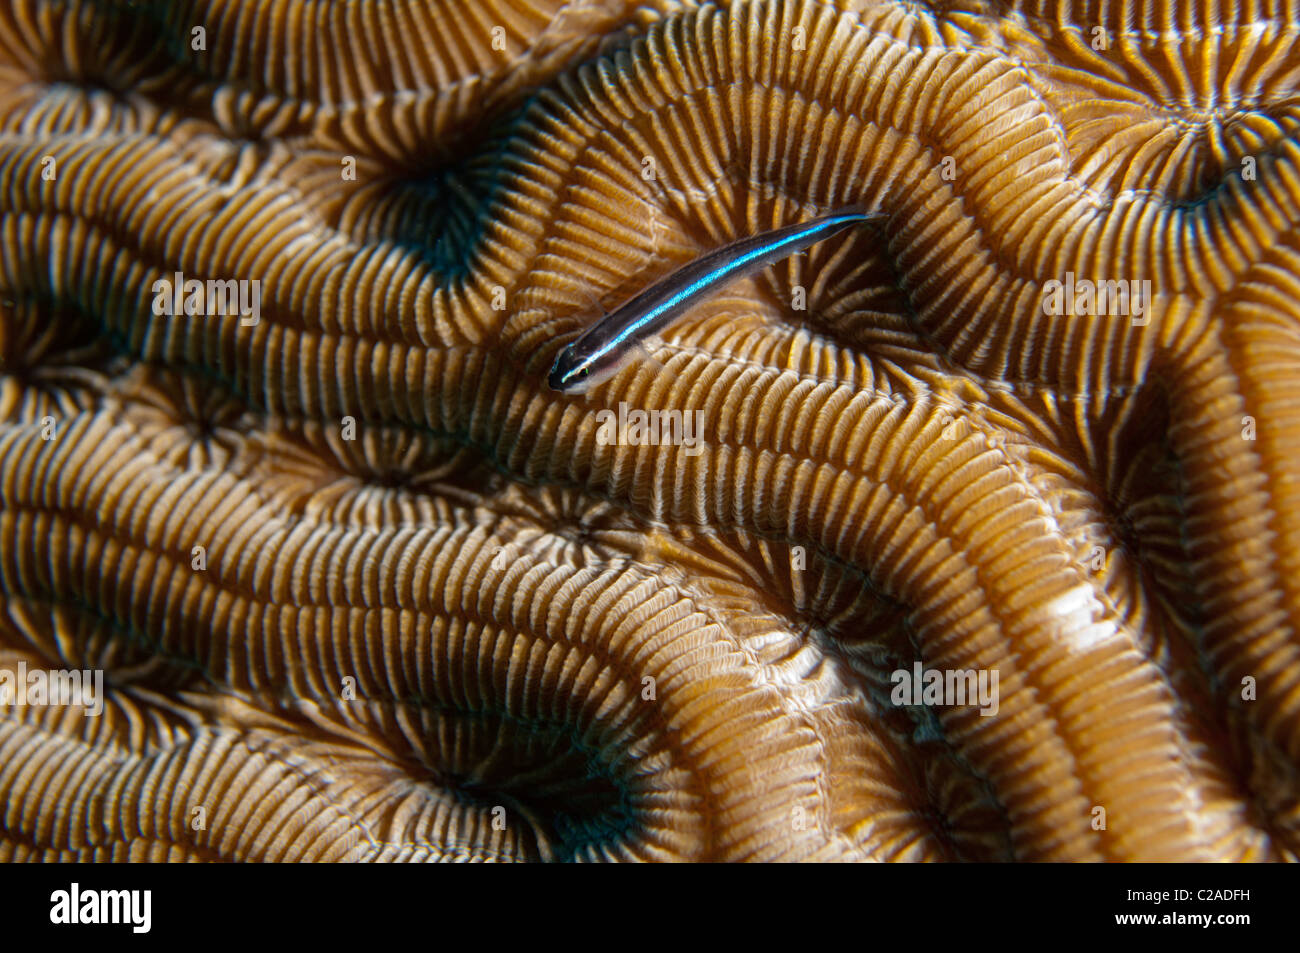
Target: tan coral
x: 433, y: 616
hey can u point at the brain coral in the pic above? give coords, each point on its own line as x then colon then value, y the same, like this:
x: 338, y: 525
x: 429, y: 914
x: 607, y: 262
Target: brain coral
x: 361, y: 587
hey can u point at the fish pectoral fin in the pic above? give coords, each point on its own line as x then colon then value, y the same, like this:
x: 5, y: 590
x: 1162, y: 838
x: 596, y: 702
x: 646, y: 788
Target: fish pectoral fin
x: 645, y: 353
x: 594, y: 301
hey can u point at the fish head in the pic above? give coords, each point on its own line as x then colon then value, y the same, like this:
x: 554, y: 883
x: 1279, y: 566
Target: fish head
x: 569, y: 374
x: 576, y: 372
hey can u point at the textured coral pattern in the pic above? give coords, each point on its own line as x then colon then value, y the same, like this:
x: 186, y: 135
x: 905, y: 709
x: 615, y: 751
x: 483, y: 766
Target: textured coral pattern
x: 363, y: 588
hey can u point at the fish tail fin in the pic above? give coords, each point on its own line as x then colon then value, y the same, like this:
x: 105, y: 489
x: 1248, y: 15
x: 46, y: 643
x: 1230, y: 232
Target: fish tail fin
x: 861, y: 210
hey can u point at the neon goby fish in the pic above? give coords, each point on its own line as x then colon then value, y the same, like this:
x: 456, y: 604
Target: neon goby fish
x: 602, y: 350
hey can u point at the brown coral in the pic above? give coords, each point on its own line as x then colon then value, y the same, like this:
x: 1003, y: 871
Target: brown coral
x: 363, y: 588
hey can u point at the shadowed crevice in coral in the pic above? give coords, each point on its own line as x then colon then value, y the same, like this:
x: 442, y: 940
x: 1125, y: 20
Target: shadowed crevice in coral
x: 546, y: 776
x: 437, y: 210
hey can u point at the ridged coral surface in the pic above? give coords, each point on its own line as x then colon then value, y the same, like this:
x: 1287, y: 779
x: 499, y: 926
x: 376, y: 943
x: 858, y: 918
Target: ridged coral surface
x: 363, y: 587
